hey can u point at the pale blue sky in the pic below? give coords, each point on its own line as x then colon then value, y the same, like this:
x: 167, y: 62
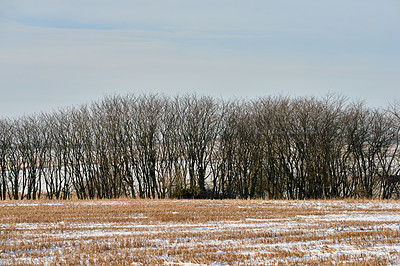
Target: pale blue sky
x: 59, y: 53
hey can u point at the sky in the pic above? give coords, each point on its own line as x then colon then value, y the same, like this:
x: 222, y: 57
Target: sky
x: 55, y: 53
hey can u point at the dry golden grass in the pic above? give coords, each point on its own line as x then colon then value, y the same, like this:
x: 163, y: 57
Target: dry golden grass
x: 222, y: 232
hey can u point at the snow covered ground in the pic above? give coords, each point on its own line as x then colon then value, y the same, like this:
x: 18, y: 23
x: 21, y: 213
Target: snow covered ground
x: 199, y: 232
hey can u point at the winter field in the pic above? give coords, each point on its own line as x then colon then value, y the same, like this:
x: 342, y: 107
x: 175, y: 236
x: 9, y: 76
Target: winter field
x: 211, y: 232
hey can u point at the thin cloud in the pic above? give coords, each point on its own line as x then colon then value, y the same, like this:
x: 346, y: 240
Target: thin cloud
x: 76, y: 51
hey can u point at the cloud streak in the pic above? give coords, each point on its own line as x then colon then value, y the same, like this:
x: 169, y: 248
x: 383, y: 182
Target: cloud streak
x: 56, y: 53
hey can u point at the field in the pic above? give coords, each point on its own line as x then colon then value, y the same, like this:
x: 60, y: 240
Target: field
x: 219, y: 232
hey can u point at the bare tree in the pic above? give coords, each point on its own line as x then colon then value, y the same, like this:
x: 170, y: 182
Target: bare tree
x: 5, y: 150
x: 200, y: 121
x: 153, y: 146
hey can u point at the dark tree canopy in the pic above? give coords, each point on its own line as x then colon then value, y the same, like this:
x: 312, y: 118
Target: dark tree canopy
x: 153, y: 146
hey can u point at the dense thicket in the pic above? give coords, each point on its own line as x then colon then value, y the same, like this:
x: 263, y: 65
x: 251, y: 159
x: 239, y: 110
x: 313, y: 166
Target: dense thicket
x: 190, y: 146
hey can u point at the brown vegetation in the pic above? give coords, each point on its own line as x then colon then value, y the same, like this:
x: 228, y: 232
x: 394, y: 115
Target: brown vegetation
x: 126, y: 232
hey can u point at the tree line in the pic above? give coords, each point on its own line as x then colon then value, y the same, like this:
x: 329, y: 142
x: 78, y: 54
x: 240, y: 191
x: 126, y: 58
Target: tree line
x: 155, y: 146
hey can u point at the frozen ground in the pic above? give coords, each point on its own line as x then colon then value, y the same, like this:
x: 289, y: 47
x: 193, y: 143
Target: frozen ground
x: 200, y: 232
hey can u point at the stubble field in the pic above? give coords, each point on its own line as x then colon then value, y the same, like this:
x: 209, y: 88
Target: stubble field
x: 211, y: 232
